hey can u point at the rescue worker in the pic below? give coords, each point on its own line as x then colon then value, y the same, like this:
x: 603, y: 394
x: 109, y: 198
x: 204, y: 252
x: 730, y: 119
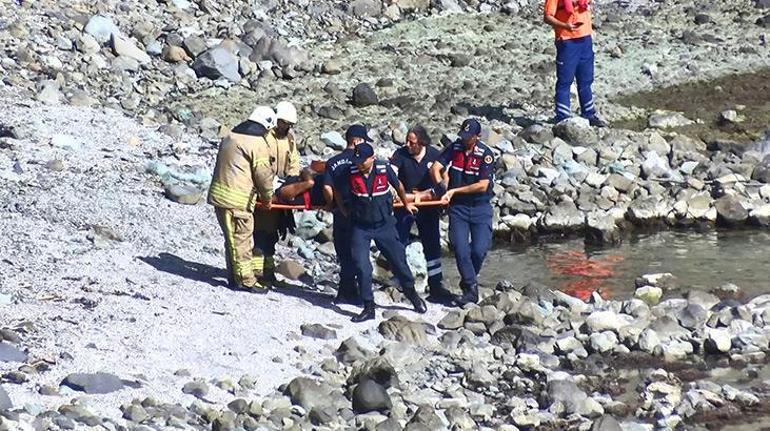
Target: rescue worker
x: 242, y: 176
x: 471, y: 168
x: 270, y: 225
x: 412, y: 163
x: 337, y: 191
x: 370, y: 208
x: 571, y: 22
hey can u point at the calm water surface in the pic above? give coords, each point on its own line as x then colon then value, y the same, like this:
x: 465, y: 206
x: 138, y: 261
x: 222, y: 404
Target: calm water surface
x: 698, y: 260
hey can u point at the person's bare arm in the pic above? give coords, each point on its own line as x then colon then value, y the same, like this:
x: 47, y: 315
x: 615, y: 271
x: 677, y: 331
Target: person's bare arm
x: 479, y: 187
x: 409, y: 206
x: 435, y: 173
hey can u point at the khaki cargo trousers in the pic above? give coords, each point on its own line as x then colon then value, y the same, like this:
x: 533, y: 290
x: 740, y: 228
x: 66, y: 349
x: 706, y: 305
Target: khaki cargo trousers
x: 238, y: 229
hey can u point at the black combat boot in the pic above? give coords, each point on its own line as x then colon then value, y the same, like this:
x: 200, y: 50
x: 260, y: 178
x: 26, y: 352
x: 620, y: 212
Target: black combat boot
x: 414, y: 297
x: 366, y: 314
x: 439, y: 294
x: 470, y: 294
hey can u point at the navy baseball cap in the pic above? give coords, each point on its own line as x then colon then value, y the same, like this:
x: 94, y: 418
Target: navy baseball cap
x: 357, y: 131
x: 361, y: 153
x: 469, y: 128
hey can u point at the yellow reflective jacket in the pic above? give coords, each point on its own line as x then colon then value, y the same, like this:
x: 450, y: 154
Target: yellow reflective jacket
x: 243, y: 173
x: 284, y: 153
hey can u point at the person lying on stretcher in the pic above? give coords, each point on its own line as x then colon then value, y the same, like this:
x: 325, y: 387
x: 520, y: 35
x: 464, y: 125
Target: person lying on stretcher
x: 307, y: 190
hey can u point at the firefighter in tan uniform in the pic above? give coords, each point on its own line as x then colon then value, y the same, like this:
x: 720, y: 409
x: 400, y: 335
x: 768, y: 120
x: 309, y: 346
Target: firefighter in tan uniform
x: 243, y: 175
x: 284, y: 158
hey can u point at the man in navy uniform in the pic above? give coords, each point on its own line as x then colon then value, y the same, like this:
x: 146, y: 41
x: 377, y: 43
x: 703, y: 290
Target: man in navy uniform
x: 412, y: 162
x: 370, y: 210
x: 471, y: 168
x: 337, y: 191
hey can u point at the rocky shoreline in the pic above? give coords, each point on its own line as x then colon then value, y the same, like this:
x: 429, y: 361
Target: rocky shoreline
x: 113, y: 309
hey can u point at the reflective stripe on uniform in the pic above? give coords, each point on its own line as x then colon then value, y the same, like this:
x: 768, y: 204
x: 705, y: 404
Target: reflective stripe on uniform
x: 258, y: 263
x: 434, y: 263
x: 226, y: 196
x: 435, y: 271
x: 241, y: 269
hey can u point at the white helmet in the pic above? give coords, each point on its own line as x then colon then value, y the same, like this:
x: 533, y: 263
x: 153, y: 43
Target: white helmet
x: 286, y: 112
x: 265, y: 116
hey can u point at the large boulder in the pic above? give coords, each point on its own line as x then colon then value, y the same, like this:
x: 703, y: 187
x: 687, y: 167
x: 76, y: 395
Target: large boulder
x: 730, y: 211
x: 576, y: 131
x: 216, y: 63
x: 98, y: 383
x: 9, y: 353
x: 399, y: 328
x: 308, y: 393
x: 563, y: 217
x: 370, y: 396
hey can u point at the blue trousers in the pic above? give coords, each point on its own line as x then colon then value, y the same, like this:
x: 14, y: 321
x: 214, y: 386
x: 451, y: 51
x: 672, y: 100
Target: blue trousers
x: 574, y: 61
x: 427, y: 220
x: 470, y: 231
x: 342, y: 232
x: 385, y: 238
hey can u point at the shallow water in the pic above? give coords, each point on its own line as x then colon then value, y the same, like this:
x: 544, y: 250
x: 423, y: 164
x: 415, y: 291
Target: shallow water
x: 698, y: 260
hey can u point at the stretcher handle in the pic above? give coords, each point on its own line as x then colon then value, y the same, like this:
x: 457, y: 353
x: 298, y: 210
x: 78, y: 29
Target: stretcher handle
x: 282, y: 207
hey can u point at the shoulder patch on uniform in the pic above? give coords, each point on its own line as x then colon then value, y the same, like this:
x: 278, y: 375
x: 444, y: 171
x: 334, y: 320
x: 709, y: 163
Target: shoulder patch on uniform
x: 488, y: 159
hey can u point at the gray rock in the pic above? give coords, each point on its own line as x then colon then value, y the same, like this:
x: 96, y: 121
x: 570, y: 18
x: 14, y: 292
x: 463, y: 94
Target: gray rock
x: 370, y: 396
x: 566, y: 393
x: 217, y: 63
x: 195, y: 46
x: 322, y: 415
x: 425, y: 418
x: 606, y: 320
x: 318, y: 331
x: 196, y: 389
x: 97, y: 383
x: 5, y: 401
x: 126, y: 48
x: 693, y: 316
x: 364, y: 95
x: 602, y: 229
x: 399, y: 328
x: 308, y: 225
x: 452, y: 320
x: 351, y: 351
x: 667, y: 120
x: 365, y: 8
x: 479, y: 377
x: 603, y: 342
x: 238, y: 406
x: 183, y: 194
x: 718, y: 341
x: 334, y: 140
x: 563, y: 217
x: 606, y: 423
x: 730, y: 212
x: 9, y: 353
x: 101, y: 28
x: 135, y: 413
x: 576, y: 131
x: 49, y: 93
x: 308, y: 393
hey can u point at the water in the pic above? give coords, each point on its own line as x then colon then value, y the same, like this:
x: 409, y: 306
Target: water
x: 698, y: 260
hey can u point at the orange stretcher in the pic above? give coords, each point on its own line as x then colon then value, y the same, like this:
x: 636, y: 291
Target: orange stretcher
x: 281, y: 207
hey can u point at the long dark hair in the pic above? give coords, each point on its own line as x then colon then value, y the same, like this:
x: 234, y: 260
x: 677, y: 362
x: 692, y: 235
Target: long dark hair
x: 422, y: 135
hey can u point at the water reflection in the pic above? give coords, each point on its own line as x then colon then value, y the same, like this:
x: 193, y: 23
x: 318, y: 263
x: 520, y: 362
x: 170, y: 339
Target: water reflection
x: 699, y: 260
